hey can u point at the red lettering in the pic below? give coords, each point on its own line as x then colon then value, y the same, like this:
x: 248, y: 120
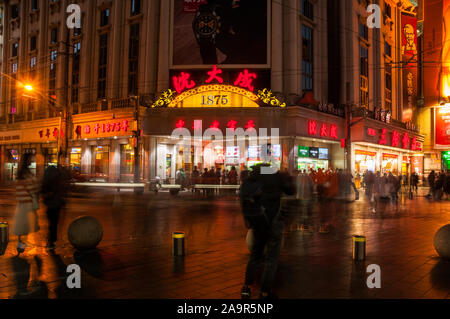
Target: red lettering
x: 179, y: 124
x: 324, y: 130
x: 312, y: 127
x: 395, y: 138
x: 232, y: 125
x: 182, y: 82
x: 214, y: 75
x: 245, y: 80
x: 383, y: 137
x: 250, y: 125
x: 405, y: 140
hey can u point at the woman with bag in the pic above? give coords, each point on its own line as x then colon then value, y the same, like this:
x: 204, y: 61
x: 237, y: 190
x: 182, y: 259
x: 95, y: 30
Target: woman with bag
x: 26, y: 220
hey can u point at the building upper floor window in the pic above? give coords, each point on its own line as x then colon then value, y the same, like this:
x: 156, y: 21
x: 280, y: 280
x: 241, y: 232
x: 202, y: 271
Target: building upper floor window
x: 14, y: 11
x: 308, y: 9
x: 77, y: 48
x: 307, y: 58
x: 363, y: 31
x: 15, y: 49
x: 364, y: 61
x: 34, y: 5
x: 104, y: 17
x: 54, y: 36
x: 53, y: 55
x: 76, y: 32
x: 33, y: 43
x: 33, y: 62
x: 135, y: 7
x: 14, y: 68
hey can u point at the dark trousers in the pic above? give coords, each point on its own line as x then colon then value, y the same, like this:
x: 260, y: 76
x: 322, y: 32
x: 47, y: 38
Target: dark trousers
x: 270, y: 238
x: 53, y: 218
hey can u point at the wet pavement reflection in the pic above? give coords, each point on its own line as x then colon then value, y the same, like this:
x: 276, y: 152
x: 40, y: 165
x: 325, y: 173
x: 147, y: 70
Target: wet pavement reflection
x: 134, y: 259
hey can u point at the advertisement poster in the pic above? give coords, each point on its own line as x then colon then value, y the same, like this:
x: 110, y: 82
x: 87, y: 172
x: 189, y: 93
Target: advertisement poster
x: 210, y: 32
x: 409, y: 54
x: 442, y: 127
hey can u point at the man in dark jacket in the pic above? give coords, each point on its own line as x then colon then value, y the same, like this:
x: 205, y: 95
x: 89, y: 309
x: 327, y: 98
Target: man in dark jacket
x: 266, y: 191
x: 55, y: 186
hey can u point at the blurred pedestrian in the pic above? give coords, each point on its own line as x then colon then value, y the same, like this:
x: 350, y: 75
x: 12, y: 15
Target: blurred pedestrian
x: 414, y: 181
x: 233, y: 176
x: 431, y: 180
x: 55, y: 186
x: 25, y: 219
x: 244, y: 174
x: 261, y: 199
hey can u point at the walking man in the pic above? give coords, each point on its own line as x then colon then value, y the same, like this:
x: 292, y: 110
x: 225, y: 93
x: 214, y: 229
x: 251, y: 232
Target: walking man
x: 54, y: 190
x: 261, y: 199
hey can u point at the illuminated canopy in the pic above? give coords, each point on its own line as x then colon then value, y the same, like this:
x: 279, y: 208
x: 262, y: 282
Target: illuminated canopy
x: 218, y: 95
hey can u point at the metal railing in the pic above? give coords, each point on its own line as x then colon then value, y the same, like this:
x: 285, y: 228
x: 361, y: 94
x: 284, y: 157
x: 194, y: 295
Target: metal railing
x: 121, y: 103
x: 91, y: 107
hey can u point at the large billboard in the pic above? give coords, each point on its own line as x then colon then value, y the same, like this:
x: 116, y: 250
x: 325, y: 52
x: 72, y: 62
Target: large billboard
x: 442, y: 127
x: 227, y: 32
x: 410, y: 57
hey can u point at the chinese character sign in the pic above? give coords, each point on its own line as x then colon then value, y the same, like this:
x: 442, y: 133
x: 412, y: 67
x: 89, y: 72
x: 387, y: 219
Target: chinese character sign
x: 103, y: 129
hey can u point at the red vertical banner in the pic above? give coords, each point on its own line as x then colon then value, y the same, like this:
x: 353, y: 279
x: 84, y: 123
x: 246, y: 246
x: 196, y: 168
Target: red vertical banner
x: 410, y: 55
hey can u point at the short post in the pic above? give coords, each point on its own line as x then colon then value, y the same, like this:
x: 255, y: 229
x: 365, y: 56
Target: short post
x: 178, y: 244
x: 359, y: 248
x: 4, y: 237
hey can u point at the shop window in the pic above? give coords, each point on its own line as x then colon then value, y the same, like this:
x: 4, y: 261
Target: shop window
x: 100, y: 162
x: 50, y: 156
x: 363, y: 30
x: 75, y: 159
x: 126, y: 163
x: 52, y: 77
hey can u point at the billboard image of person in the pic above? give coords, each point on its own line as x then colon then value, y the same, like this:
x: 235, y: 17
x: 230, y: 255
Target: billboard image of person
x: 210, y: 32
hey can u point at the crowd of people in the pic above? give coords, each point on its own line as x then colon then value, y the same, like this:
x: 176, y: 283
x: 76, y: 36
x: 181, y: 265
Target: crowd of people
x: 212, y: 175
x: 325, y: 183
x: 439, y: 185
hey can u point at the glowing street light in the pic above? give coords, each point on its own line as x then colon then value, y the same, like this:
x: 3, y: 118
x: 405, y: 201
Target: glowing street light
x: 28, y: 87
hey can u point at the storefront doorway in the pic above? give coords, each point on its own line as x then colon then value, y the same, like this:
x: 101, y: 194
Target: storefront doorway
x: 11, y: 164
x: 365, y: 161
x: 389, y: 164
x: 126, y: 163
x: 100, y: 162
x: 75, y: 159
x: 50, y: 156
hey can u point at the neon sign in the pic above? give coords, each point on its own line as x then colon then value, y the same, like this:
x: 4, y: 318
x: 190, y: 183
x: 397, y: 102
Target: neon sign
x: 324, y: 131
x: 213, y: 92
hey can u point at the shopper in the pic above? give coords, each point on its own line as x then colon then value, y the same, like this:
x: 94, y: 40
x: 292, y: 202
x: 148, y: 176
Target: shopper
x: 260, y: 199
x: 431, y: 180
x: 55, y: 186
x: 27, y: 203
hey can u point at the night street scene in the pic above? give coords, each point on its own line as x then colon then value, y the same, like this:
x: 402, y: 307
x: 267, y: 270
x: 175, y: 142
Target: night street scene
x: 249, y: 151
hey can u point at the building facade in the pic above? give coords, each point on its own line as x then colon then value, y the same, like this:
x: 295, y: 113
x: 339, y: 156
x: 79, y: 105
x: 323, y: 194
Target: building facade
x: 312, y: 69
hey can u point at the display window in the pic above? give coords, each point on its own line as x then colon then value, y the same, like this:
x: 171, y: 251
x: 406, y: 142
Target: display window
x: 126, y: 163
x: 365, y: 161
x: 75, y: 159
x: 389, y: 164
x: 50, y: 156
x: 100, y: 161
x: 11, y: 164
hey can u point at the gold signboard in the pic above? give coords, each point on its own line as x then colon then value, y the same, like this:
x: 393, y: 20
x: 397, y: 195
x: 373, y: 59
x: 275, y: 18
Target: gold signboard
x: 100, y: 129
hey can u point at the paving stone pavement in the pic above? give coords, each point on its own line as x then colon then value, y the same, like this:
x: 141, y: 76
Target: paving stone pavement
x: 134, y: 259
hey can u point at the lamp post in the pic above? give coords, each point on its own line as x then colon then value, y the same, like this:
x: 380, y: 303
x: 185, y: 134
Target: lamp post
x: 137, y: 136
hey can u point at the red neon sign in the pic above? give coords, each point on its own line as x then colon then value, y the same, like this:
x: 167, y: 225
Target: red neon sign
x: 250, y: 125
x: 333, y: 131
x: 405, y: 140
x: 371, y: 132
x: 323, y: 130
x: 245, y: 80
x: 383, y: 137
x: 214, y: 75
x: 232, y: 125
x: 182, y: 82
x: 395, y: 138
x: 215, y: 125
x: 312, y: 127
x: 180, y: 124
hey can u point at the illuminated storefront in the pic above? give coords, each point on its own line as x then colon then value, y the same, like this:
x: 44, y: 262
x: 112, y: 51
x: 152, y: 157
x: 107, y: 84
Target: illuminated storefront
x: 39, y: 138
x: 198, y: 126
x: 380, y: 147
x: 102, y: 150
